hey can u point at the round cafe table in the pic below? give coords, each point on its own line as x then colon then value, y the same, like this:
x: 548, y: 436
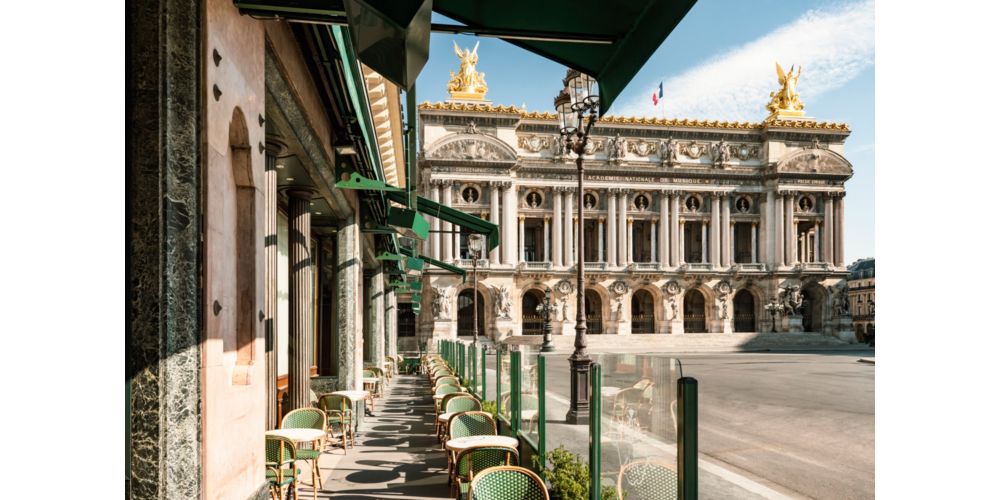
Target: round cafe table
x: 458, y: 444
x: 608, y: 391
x: 298, y: 435
x: 355, y: 397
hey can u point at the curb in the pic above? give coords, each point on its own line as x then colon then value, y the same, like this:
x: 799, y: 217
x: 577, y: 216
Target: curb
x: 867, y: 360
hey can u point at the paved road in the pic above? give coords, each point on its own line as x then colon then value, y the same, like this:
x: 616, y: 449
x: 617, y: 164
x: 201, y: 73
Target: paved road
x: 800, y: 424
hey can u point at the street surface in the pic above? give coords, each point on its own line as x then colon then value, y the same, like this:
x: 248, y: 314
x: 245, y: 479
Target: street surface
x: 798, y: 425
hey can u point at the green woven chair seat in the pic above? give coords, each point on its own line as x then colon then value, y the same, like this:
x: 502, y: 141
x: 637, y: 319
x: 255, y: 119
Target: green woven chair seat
x: 306, y: 454
x: 648, y: 480
x: 287, y: 476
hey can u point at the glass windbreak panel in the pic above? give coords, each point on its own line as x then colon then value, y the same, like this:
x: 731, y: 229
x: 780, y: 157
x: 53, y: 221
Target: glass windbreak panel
x: 639, y: 425
x: 530, y: 394
x: 503, y: 384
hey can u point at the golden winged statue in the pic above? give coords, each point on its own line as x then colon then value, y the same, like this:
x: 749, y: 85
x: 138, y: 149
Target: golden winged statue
x: 468, y: 83
x: 785, y: 101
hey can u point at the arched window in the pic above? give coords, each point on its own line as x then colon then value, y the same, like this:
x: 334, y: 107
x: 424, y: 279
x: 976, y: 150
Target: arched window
x: 643, y: 316
x: 744, y: 317
x: 694, y: 312
x: 532, y: 321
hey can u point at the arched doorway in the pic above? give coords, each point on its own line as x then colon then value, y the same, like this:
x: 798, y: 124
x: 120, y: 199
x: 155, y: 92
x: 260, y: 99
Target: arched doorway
x: 532, y: 321
x: 694, y: 312
x: 744, y: 317
x: 593, y: 309
x: 860, y: 333
x: 870, y: 333
x: 643, y: 320
x: 812, y: 310
x: 465, y: 313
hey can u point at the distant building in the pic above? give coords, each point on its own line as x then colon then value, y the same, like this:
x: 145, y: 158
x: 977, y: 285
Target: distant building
x: 690, y: 226
x: 861, y: 295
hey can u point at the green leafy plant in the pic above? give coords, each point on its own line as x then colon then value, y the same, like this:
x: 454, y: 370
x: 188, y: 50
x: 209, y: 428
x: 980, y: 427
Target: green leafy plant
x: 569, y: 476
x: 490, y: 407
x: 465, y: 382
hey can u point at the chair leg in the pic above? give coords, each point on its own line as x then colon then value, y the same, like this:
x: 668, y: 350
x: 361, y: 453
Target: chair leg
x: 317, y: 480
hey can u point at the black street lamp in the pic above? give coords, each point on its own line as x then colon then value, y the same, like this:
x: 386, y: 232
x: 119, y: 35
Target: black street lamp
x: 577, y: 105
x: 475, y: 243
x: 545, y: 309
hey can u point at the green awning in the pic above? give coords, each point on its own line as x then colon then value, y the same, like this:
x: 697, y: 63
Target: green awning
x: 635, y: 28
x: 607, y: 40
x: 437, y: 263
x: 472, y: 223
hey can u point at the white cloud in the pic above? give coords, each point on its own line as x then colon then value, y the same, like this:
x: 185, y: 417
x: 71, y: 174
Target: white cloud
x: 833, y: 46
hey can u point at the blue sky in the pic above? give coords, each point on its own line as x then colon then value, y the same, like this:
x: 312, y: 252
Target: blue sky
x: 719, y: 64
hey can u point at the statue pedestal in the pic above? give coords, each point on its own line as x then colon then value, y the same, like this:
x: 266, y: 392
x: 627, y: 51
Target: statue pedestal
x: 727, y: 325
x: 795, y: 323
x: 845, y: 330
x: 677, y: 326
x: 504, y: 329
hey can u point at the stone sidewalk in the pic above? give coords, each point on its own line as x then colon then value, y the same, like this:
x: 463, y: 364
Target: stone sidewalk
x: 396, y: 454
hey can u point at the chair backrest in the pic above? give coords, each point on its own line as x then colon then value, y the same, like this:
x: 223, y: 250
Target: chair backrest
x: 447, y: 379
x: 642, y: 383
x: 647, y: 480
x: 335, y: 404
x: 378, y: 372
x: 368, y: 372
x: 460, y: 402
x: 440, y: 371
x: 447, y: 389
x: 471, y: 461
x: 472, y: 423
x: 506, y: 482
x: 278, y: 451
x: 305, y: 418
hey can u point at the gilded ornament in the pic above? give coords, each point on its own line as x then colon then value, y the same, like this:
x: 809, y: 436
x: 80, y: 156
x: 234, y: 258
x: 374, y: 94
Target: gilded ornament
x: 785, y: 101
x: 468, y: 84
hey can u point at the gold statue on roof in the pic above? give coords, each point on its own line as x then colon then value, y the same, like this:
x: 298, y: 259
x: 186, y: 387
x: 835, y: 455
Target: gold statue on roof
x: 785, y: 101
x: 468, y: 84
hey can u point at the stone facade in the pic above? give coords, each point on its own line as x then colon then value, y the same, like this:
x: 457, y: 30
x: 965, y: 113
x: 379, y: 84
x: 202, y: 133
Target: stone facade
x: 689, y: 225
x: 861, y: 298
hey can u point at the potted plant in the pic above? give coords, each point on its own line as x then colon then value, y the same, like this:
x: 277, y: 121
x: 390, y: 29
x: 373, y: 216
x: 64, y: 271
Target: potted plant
x: 569, y: 476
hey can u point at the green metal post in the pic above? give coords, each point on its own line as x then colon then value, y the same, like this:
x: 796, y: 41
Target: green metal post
x: 541, y: 407
x: 482, y: 352
x: 595, y: 432
x: 687, y: 438
x: 411, y: 146
x: 499, y: 379
x: 515, y: 393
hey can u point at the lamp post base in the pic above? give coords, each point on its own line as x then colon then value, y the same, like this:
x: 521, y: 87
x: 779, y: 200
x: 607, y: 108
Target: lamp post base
x: 579, y: 389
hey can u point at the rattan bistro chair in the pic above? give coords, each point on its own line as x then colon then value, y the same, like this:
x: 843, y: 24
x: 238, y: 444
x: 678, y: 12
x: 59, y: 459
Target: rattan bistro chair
x: 471, y: 461
x: 279, y: 458
x: 507, y: 482
x: 308, y: 418
x: 469, y: 423
x: 339, y: 412
x: 454, y: 403
x: 648, y: 479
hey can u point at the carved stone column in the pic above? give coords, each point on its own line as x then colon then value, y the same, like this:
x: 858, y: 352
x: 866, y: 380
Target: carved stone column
x: 652, y: 241
x: 704, y: 242
x: 828, y: 232
x: 300, y: 303
x: 680, y: 244
x: 676, y: 235
x: 630, y: 247
x: 753, y: 243
x: 816, y: 232
x: 350, y: 341
x: 665, y: 225
x: 377, y: 299
x: 576, y: 229
x: 520, y: 239
x: 839, y: 249
x: 623, y: 251
x: 557, y: 230
x: 447, y: 240
x: 271, y: 283
x: 568, y: 228
x: 790, y: 255
x: 390, y: 323
x: 612, y: 228
x: 600, y: 238
x: 509, y: 224
x: 495, y: 217
x: 779, y: 230
x: 727, y: 231
x: 716, y: 231
x: 435, y: 235
x: 548, y: 239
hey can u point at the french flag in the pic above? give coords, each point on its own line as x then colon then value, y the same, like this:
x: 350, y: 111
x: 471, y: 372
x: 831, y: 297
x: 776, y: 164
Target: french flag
x: 658, y: 95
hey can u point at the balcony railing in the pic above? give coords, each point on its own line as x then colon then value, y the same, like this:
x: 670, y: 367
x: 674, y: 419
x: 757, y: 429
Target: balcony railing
x: 647, y: 266
x: 595, y: 266
x: 537, y: 266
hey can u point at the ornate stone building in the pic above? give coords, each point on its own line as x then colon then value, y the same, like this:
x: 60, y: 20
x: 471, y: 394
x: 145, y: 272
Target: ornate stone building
x: 861, y: 298
x: 690, y: 225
